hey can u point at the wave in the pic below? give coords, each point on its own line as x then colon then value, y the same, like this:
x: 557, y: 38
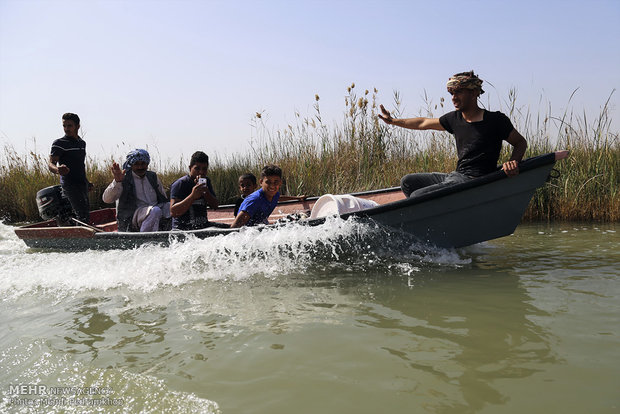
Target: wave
x: 293, y: 249
x: 66, y: 384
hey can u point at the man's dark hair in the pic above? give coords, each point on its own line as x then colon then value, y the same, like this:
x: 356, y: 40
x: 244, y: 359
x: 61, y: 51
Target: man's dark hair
x: 271, y: 170
x: 72, y: 117
x: 248, y: 176
x: 197, y: 157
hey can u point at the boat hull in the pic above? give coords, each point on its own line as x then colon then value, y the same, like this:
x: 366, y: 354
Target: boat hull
x: 462, y: 218
x: 460, y: 215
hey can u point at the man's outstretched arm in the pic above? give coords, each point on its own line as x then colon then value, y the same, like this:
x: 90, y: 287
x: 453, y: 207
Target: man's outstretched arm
x: 410, y: 123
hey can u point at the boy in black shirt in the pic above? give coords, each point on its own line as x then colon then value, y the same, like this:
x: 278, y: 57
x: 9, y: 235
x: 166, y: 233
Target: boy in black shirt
x: 190, y: 195
x: 67, y: 160
x: 247, y: 185
x: 478, y: 133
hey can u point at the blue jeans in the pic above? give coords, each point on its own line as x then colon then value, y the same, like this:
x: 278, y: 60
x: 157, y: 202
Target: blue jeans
x: 422, y: 183
x: 78, y: 197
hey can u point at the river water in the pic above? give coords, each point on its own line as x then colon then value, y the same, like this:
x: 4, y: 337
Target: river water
x: 340, y: 318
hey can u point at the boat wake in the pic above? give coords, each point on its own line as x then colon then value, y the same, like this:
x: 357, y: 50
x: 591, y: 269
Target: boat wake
x: 293, y: 250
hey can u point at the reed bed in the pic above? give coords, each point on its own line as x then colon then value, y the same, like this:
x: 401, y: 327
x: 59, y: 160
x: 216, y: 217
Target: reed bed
x: 361, y: 153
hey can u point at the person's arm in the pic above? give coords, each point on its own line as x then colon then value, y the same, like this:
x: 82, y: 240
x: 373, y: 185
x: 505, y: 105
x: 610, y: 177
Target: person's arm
x: 179, y: 207
x: 410, y: 123
x: 114, y: 190
x: 241, y: 220
x: 53, y: 166
x: 519, y: 145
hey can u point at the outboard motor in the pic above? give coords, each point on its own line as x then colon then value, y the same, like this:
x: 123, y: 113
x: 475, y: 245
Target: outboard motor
x: 52, y: 205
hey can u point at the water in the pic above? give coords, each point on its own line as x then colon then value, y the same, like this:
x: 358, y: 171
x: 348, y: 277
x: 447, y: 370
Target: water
x: 340, y: 318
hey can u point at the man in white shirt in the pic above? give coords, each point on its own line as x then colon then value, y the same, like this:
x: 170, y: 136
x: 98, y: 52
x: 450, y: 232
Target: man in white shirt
x: 141, y: 200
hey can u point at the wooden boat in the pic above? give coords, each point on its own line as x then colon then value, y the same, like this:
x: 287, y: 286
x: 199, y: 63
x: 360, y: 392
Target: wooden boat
x: 481, y: 209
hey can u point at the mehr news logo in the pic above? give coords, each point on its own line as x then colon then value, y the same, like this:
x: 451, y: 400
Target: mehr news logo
x: 40, y: 395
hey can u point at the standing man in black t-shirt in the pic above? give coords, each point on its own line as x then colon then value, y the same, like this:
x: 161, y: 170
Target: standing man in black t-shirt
x: 67, y: 160
x: 479, y: 134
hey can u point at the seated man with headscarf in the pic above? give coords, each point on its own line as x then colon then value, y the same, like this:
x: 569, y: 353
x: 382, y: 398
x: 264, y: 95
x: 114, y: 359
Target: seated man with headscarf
x: 141, y: 200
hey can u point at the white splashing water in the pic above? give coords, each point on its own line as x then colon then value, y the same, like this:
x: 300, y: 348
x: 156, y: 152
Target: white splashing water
x: 270, y: 253
x: 37, y: 363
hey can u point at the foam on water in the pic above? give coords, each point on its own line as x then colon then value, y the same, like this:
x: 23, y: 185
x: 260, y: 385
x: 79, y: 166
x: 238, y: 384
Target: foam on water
x: 347, y: 246
x: 116, y: 389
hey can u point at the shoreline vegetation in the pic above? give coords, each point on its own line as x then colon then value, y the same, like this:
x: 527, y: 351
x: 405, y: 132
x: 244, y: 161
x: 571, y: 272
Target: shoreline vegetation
x: 362, y: 153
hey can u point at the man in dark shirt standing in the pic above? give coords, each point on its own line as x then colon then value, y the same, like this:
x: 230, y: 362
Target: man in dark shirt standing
x: 67, y: 160
x: 479, y: 134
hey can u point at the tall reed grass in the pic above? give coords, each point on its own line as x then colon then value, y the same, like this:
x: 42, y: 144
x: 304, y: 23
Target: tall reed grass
x: 360, y: 152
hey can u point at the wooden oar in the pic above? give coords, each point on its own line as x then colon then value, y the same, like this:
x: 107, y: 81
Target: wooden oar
x: 81, y: 223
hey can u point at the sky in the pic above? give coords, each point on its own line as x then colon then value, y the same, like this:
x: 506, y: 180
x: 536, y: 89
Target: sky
x: 187, y: 75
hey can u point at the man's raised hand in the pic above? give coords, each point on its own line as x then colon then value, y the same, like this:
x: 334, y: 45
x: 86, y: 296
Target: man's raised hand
x: 117, y: 172
x: 385, y: 115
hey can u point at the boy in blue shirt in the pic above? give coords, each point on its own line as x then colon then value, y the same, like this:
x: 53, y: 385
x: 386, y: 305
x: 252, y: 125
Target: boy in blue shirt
x: 256, y: 208
x: 190, y: 195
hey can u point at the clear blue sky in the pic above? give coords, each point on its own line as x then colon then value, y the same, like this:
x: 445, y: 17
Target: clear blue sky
x: 189, y: 75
